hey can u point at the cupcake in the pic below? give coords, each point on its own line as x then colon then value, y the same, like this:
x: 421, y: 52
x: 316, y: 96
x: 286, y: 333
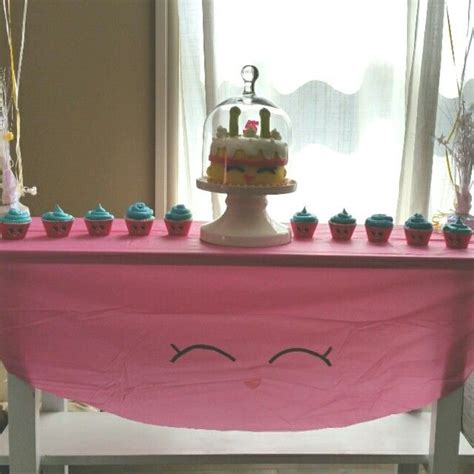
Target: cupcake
x: 57, y: 223
x: 304, y: 224
x: 457, y: 234
x: 178, y: 220
x: 418, y: 230
x: 15, y: 224
x: 342, y: 226
x: 139, y: 219
x: 378, y: 228
x: 98, y: 221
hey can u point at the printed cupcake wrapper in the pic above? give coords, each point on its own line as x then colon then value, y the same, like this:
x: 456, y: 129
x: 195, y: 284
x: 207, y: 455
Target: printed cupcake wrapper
x: 341, y: 231
x: 417, y: 237
x: 303, y: 230
x: 57, y: 229
x: 377, y: 234
x: 178, y: 228
x: 98, y: 228
x: 456, y: 240
x: 139, y: 227
x: 14, y: 231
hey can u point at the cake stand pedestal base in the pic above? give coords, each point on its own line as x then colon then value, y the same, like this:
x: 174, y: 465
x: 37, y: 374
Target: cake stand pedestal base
x: 245, y: 223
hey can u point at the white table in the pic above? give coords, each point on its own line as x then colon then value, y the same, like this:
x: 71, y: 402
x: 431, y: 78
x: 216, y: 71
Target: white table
x: 54, y: 439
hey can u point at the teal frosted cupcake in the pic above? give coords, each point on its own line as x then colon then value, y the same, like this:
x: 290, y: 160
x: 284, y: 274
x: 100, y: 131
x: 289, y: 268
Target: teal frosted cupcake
x: 303, y: 224
x: 139, y: 219
x: 457, y: 234
x: 418, y: 230
x: 342, y: 226
x: 15, y: 224
x: 57, y: 223
x: 178, y: 220
x: 99, y: 221
x: 378, y: 228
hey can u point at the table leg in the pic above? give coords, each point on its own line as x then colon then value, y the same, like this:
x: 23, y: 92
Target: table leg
x: 445, y: 431
x: 53, y: 403
x: 23, y: 424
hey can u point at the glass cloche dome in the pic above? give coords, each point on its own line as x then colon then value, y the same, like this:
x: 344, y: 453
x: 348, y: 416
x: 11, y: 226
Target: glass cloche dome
x: 246, y: 140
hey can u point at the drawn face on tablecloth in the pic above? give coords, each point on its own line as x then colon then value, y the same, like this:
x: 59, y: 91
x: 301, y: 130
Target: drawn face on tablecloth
x: 253, y: 383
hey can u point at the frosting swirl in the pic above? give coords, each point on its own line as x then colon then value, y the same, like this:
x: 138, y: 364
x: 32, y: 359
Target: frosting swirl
x: 139, y: 211
x: 99, y: 214
x: 179, y: 213
x: 418, y: 222
x: 57, y: 215
x: 457, y: 227
x: 379, y: 220
x: 16, y: 216
x: 304, y: 216
x: 342, y: 218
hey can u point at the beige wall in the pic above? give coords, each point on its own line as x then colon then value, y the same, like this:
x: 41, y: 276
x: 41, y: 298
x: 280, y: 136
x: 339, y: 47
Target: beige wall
x: 87, y: 103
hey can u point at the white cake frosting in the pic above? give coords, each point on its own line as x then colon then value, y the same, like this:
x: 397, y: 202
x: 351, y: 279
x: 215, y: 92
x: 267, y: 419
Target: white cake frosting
x: 266, y: 148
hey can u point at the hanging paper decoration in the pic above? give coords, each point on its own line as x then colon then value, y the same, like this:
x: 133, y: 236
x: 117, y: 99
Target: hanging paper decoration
x: 11, y: 182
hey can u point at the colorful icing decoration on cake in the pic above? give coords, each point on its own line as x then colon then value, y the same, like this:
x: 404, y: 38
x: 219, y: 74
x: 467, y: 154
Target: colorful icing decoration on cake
x: 342, y: 226
x: 418, y: 230
x: 139, y: 219
x: 457, y: 234
x: 250, y: 158
x: 304, y: 224
x: 57, y: 223
x: 99, y: 221
x: 378, y: 228
x: 178, y: 220
x: 15, y: 224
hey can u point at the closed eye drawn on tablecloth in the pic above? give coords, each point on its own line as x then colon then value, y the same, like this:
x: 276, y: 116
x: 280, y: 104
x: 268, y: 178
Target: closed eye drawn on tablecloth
x: 323, y: 357
x: 207, y: 347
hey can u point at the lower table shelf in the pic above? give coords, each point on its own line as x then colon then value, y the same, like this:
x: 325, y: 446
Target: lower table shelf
x: 102, y: 438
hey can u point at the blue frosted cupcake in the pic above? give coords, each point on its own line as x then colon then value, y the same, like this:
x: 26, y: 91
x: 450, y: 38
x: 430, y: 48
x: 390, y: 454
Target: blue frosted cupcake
x: 378, y: 228
x: 99, y: 221
x: 178, y: 220
x: 342, y: 226
x: 457, y: 234
x: 57, y: 223
x: 418, y: 230
x: 303, y: 224
x: 139, y: 219
x: 15, y: 224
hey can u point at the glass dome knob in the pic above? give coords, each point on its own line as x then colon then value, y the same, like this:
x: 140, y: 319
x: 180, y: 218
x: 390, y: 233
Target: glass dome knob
x: 249, y: 74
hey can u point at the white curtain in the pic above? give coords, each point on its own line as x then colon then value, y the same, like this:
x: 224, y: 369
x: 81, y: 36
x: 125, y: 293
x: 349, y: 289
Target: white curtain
x: 348, y: 75
x: 442, y: 192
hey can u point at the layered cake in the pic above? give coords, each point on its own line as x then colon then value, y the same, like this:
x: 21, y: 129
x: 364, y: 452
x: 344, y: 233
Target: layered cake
x: 255, y: 157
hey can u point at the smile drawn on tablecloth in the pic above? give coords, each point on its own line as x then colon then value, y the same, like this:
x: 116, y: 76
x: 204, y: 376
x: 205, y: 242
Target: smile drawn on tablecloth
x: 207, y: 347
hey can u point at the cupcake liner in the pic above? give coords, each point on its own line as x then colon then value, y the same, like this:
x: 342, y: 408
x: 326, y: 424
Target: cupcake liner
x: 139, y: 227
x: 57, y: 229
x: 178, y: 228
x: 14, y: 231
x: 417, y: 237
x: 99, y: 228
x: 457, y: 240
x: 342, y: 232
x: 378, y: 235
x: 303, y: 230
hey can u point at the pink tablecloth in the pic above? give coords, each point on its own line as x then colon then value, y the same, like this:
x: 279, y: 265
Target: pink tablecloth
x: 175, y: 332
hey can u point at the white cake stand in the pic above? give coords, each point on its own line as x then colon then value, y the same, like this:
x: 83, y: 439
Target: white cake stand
x: 245, y: 222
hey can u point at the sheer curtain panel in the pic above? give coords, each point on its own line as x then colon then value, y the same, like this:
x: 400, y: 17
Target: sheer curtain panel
x: 359, y: 81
